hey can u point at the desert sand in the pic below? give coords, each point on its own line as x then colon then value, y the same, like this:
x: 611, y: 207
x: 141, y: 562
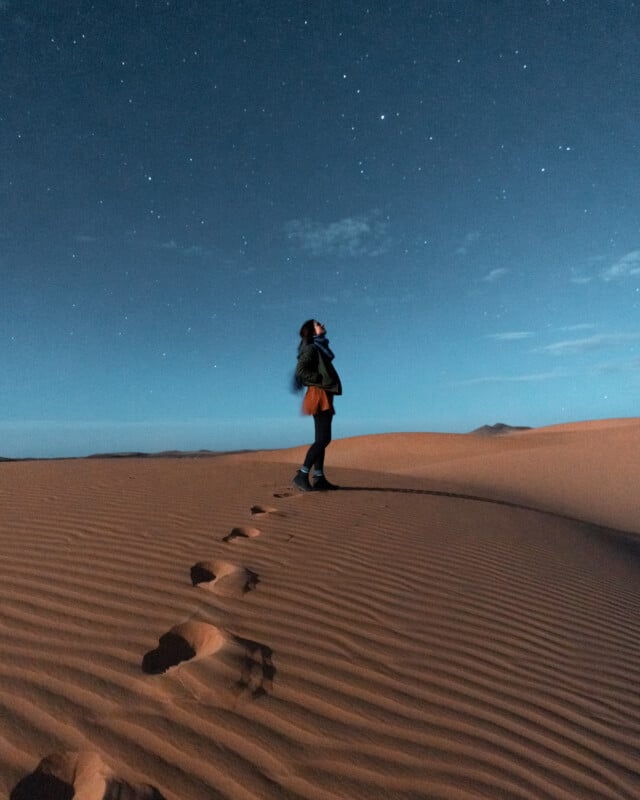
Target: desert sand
x: 461, y: 620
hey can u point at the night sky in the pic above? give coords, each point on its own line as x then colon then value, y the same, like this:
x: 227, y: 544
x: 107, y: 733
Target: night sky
x: 451, y: 186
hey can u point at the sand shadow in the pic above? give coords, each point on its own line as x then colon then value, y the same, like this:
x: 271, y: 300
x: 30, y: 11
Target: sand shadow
x: 64, y: 775
x: 171, y: 651
x: 40, y: 786
x: 258, y: 670
x: 118, y: 790
x: 625, y: 542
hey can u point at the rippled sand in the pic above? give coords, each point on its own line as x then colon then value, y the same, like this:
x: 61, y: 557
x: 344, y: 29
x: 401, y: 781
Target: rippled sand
x: 461, y: 620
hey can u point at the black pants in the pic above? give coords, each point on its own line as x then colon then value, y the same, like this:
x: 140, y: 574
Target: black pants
x: 315, y: 454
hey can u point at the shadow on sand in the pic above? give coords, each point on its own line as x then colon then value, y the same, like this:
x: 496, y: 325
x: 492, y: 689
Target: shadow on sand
x: 626, y: 542
x: 42, y: 786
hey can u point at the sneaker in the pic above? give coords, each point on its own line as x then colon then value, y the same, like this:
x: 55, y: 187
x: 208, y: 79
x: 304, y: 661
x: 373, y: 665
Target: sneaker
x: 301, y: 481
x: 323, y: 485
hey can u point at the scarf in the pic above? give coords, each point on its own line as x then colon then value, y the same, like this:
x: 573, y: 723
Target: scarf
x: 322, y: 343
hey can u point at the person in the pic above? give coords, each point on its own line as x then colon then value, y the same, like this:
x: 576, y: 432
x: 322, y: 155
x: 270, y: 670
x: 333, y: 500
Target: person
x: 315, y: 370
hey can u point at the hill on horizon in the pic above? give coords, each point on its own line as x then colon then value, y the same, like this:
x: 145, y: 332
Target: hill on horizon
x: 499, y: 429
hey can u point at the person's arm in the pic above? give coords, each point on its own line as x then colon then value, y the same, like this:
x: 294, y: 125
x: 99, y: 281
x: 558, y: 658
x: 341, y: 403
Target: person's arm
x: 307, y: 367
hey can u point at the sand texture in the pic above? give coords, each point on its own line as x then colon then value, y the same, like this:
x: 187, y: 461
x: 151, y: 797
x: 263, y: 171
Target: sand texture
x: 461, y: 620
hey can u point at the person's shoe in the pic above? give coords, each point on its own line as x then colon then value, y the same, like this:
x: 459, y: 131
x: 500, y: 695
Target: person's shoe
x: 323, y: 485
x: 301, y: 481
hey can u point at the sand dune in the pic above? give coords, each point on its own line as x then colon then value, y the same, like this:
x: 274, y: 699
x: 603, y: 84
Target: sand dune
x: 586, y: 470
x: 461, y: 621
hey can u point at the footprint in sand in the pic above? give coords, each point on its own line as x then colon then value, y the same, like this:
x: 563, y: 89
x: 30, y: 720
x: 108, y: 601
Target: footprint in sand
x: 241, y: 533
x: 187, y: 641
x: 79, y: 774
x: 192, y: 640
x: 222, y: 577
x: 263, y: 511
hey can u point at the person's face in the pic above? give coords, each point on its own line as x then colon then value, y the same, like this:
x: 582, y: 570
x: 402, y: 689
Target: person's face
x: 319, y: 328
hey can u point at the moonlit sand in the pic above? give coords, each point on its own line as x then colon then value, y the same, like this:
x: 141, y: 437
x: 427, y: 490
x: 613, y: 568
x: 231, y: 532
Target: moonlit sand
x: 462, y: 620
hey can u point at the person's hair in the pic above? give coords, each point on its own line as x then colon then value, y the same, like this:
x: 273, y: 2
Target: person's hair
x: 307, y: 331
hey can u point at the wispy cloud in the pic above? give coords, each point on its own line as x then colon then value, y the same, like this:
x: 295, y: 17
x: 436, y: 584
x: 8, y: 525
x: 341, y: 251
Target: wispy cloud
x: 580, y: 326
x: 187, y: 250
x: 581, y: 280
x: 624, y: 267
x: 364, y: 235
x: 510, y: 336
x: 590, y: 343
x: 495, y: 275
x: 537, y: 377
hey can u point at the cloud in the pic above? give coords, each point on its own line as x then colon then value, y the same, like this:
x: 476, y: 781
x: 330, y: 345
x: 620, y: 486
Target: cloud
x: 581, y: 326
x: 590, y: 344
x: 510, y: 336
x: 495, y: 275
x: 538, y: 377
x: 581, y: 280
x: 363, y: 235
x: 623, y: 268
x: 187, y: 250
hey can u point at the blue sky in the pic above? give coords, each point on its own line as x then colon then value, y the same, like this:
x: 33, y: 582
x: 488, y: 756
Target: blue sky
x: 451, y: 187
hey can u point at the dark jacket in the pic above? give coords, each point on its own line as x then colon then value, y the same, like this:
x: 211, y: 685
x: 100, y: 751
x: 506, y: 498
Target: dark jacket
x: 314, y: 369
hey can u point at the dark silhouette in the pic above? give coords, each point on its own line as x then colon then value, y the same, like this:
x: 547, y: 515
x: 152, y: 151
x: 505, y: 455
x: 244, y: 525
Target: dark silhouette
x: 315, y: 370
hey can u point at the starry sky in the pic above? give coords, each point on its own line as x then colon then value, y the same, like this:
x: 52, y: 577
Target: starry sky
x: 451, y: 186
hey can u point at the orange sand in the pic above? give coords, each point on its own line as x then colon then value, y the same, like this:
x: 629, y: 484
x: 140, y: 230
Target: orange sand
x: 462, y: 620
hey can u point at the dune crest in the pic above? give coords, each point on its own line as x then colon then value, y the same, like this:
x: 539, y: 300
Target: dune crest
x: 585, y: 470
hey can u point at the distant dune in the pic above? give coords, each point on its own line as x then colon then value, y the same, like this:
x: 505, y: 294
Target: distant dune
x: 461, y: 620
x: 499, y: 429
x: 162, y: 454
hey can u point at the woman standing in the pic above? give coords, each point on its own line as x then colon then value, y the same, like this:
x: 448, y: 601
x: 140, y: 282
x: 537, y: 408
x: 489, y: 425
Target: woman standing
x: 315, y: 370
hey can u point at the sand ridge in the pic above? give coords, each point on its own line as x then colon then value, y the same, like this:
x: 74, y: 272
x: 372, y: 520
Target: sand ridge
x: 405, y: 637
x: 584, y: 470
